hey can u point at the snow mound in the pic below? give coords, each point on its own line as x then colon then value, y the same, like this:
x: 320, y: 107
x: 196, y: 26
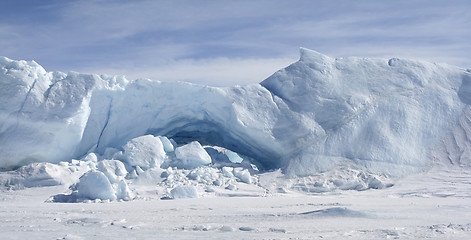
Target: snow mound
x: 44, y: 174
x: 184, y: 192
x: 95, y: 185
x: 343, y: 178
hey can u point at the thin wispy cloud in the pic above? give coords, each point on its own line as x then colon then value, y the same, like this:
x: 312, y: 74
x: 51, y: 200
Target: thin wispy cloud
x: 210, y: 71
x: 153, y: 38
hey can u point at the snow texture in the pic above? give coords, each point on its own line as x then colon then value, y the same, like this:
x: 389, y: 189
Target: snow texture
x: 392, y: 117
x: 432, y: 205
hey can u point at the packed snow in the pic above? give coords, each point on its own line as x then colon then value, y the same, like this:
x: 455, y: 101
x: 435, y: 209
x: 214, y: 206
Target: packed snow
x: 435, y: 205
x: 318, y: 130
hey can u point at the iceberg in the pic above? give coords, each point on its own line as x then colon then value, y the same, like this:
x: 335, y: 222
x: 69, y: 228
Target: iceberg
x: 384, y: 116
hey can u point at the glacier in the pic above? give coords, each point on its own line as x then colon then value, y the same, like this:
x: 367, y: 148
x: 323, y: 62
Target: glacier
x: 385, y: 116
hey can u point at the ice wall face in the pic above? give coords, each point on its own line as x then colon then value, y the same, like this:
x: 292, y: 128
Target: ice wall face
x: 42, y: 115
x: 318, y: 113
x: 455, y: 149
x: 385, y: 115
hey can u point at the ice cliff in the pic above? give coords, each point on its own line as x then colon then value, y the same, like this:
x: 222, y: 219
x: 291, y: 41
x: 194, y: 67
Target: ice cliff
x: 387, y: 116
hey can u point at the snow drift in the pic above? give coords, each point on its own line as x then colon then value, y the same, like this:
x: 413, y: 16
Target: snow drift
x: 388, y: 117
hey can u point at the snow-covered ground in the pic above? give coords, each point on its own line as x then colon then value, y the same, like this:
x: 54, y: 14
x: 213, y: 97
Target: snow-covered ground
x: 435, y: 205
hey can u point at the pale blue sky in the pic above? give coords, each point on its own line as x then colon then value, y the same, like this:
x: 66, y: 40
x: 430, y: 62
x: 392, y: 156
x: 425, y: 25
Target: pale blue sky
x: 225, y: 43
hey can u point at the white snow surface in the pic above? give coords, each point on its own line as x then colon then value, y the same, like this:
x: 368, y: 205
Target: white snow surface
x: 434, y: 205
x: 384, y: 116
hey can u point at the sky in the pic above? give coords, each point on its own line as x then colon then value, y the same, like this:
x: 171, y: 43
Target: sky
x: 226, y: 43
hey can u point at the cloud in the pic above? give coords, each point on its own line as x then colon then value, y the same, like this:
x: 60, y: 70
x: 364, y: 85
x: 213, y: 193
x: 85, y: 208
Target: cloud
x: 213, y: 72
x: 145, y: 35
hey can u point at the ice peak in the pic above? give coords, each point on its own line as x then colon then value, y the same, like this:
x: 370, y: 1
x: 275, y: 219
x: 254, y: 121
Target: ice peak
x: 8, y: 63
x: 307, y: 55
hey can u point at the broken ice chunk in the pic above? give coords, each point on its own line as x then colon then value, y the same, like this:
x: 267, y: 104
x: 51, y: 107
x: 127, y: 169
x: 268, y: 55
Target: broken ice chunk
x: 191, y: 156
x: 113, y: 169
x: 243, y: 175
x: 145, y: 151
x: 168, y: 146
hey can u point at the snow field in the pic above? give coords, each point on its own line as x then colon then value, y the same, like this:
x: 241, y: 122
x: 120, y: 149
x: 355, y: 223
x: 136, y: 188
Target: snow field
x: 434, y: 205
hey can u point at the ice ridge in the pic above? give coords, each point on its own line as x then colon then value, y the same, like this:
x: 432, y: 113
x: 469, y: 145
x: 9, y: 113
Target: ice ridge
x: 389, y: 116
